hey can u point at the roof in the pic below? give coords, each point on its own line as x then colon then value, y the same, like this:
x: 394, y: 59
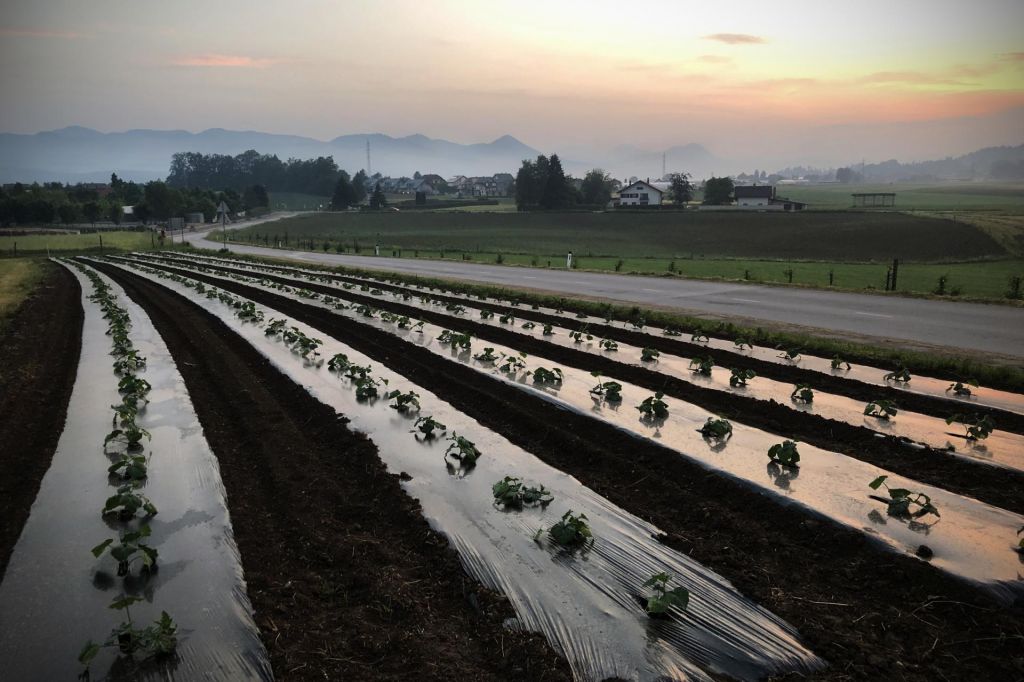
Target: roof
x: 873, y: 194
x: 754, y: 192
x: 640, y: 183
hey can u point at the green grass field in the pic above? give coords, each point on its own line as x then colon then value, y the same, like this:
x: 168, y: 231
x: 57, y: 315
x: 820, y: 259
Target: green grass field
x: 829, y: 236
x: 953, y: 196
x: 38, y: 244
x: 17, y: 278
x: 856, y: 247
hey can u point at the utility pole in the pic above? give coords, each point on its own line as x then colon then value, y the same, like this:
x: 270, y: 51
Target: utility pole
x: 369, y: 168
x: 663, y: 165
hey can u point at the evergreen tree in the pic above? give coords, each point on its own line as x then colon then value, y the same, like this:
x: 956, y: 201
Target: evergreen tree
x: 344, y: 194
x: 359, y: 187
x: 377, y: 199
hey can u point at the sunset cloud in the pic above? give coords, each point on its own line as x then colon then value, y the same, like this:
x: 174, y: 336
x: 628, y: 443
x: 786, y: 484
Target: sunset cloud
x: 736, y: 38
x: 714, y: 59
x: 911, y: 77
x: 230, y: 61
x: 36, y: 33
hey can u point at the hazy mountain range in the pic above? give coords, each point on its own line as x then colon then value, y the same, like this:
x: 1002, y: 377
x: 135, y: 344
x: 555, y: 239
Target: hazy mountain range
x: 77, y: 154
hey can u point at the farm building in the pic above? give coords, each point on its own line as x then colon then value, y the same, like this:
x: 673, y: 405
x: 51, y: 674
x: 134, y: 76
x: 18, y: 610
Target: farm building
x: 640, y: 193
x: 763, y: 197
x: 874, y: 199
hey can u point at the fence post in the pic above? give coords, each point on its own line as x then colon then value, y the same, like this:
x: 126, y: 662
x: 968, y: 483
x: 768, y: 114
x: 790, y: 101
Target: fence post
x: 895, y: 271
x: 831, y: 277
x: 101, y: 242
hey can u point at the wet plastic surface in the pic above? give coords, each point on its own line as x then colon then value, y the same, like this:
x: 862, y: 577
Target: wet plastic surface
x: 923, y: 385
x: 972, y: 540
x: 584, y: 602
x: 55, y: 594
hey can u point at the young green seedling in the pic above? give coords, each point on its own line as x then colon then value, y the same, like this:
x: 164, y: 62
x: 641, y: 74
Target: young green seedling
x: 978, y: 427
x: 784, y: 453
x: 366, y: 387
x: 716, y: 429
x: 338, y: 363
x: 511, y: 364
x: 129, y: 468
x: 130, y: 362
x: 403, y: 402
x: 580, y: 336
x: 802, y: 393
x: 570, y: 531
x: 900, y: 376
x: 126, y: 503
x: 608, y: 345
x: 702, y: 366
x: 131, y: 548
x: 881, y: 409
x: 649, y: 354
x: 699, y: 337
x: 547, y: 377
x: 653, y: 407
x: 663, y: 598
x: 427, y: 426
x: 511, y: 493
x: 487, y: 356
x: 961, y: 388
x: 671, y: 331
x: 838, y: 363
x: 741, y: 343
x: 131, y: 436
x: 462, y: 449
x: 905, y: 503
x: 740, y: 377
x: 548, y: 330
x: 486, y: 314
x: 507, y: 318
x: 791, y: 354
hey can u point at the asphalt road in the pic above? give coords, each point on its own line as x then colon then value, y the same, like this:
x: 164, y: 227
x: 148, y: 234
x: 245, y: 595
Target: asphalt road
x: 965, y: 326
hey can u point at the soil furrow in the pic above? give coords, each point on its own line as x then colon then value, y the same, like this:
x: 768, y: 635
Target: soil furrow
x: 872, y: 613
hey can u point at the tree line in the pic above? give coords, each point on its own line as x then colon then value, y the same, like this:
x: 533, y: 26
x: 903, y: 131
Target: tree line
x: 307, y: 176
x: 53, y: 202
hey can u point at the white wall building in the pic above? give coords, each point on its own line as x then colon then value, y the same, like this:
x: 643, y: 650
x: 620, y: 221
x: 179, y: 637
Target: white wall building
x: 640, y: 193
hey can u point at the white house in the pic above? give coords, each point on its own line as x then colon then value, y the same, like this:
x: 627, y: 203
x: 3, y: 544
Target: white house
x: 640, y: 193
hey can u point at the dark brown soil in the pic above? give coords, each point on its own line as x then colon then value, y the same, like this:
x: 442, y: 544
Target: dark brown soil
x: 872, y: 613
x: 994, y: 485
x: 41, y: 343
x: 347, y: 579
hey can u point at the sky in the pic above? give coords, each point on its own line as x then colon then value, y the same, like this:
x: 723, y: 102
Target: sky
x: 789, y: 81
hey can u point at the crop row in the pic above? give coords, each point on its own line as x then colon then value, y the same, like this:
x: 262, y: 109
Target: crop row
x: 963, y: 388
x: 128, y: 506
x: 827, y: 493
x: 877, y: 414
x: 571, y: 534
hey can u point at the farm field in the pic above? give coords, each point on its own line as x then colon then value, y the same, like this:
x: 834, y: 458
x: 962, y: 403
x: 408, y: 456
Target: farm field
x: 39, y: 244
x: 443, y: 398
x: 856, y: 248
x: 950, y: 197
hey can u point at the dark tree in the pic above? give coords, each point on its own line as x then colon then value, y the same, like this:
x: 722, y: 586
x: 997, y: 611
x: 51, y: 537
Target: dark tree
x: 682, y: 189
x: 556, y: 188
x: 359, y: 187
x: 344, y: 193
x: 256, y: 196
x: 377, y: 199
x: 597, y: 187
x: 718, y: 191
x: 92, y: 211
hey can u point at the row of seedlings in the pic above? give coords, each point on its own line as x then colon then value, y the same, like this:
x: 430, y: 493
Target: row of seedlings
x: 977, y: 427
x: 128, y: 472
x: 783, y: 457
x: 571, y: 531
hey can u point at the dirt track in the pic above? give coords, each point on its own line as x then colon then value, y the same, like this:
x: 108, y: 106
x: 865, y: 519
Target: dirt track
x: 873, y: 614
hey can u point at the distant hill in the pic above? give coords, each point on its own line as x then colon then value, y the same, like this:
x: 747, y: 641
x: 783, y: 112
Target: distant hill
x: 77, y: 154
x: 997, y: 163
